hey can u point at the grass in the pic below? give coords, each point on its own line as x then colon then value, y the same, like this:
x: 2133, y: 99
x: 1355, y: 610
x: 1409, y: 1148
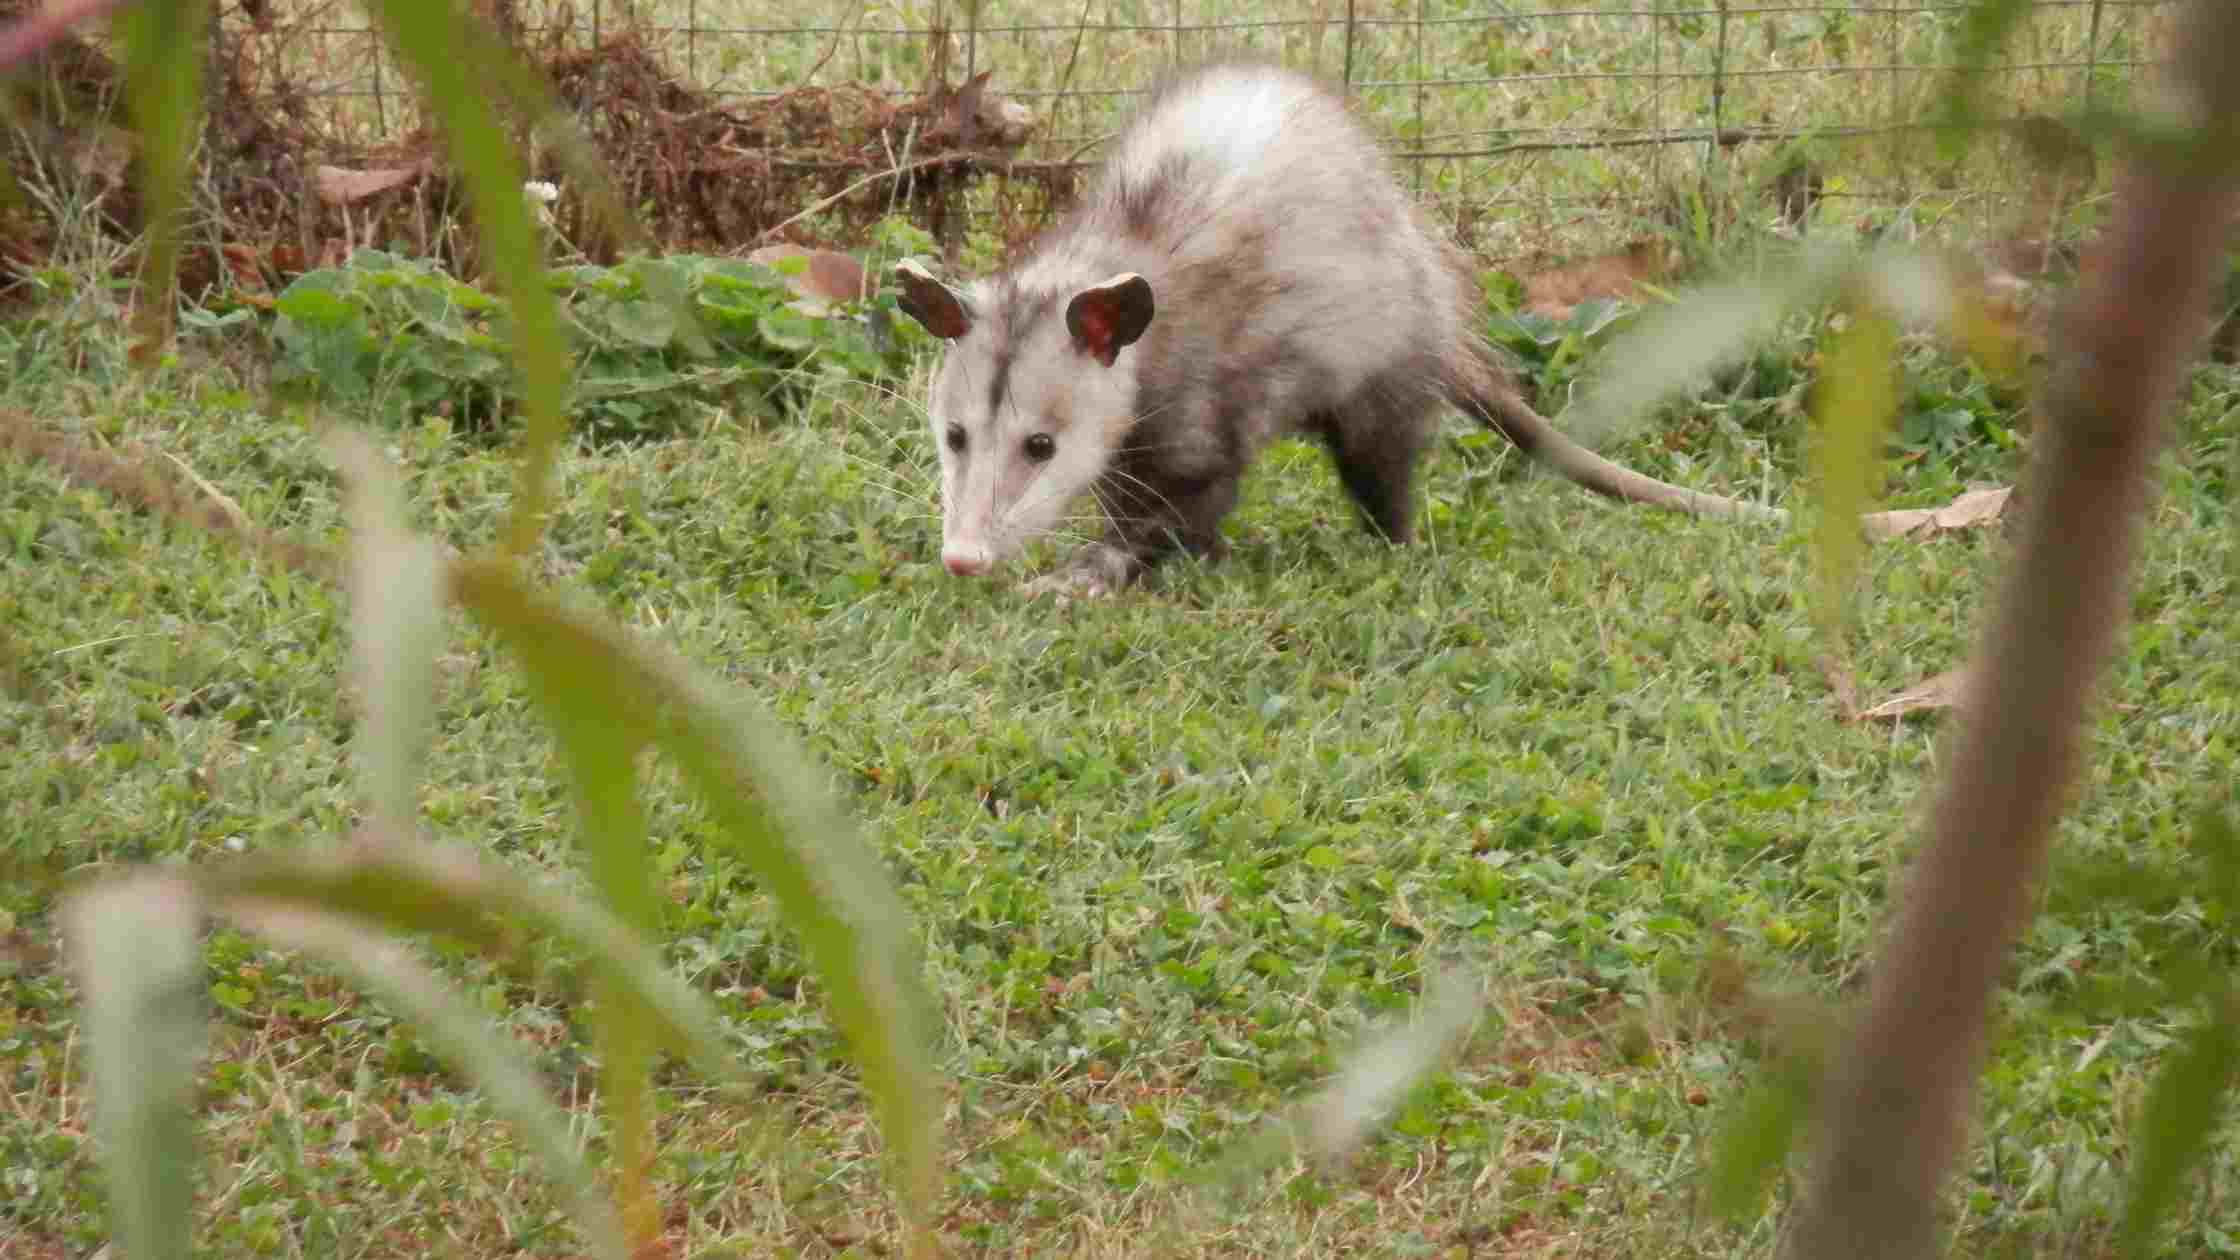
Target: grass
x: 1169, y: 853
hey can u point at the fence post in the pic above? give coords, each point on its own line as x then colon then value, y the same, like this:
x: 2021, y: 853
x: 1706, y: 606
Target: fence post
x: 1899, y: 138
x: 380, y: 100
x: 952, y: 205
x: 1349, y: 49
x: 1714, y: 158
x: 1415, y: 142
x: 1897, y: 55
x: 2092, y: 58
x: 1656, y: 96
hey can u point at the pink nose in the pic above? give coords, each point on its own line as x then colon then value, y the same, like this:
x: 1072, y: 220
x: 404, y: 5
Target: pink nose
x: 965, y: 561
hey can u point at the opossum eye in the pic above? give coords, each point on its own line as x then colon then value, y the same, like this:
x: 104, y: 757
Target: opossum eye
x: 956, y: 437
x: 1040, y: 446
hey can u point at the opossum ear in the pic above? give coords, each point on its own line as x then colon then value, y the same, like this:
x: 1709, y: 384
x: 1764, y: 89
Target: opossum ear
x: 1109, y: 317
x: 937, y: 307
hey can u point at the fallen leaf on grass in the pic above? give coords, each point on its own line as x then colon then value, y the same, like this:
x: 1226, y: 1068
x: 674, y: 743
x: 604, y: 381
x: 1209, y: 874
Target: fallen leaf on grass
x: 1973, y: 508
x: 1944, y: 691
x: 242, y: 261
x: 340, y: 186
x: 825, y: 277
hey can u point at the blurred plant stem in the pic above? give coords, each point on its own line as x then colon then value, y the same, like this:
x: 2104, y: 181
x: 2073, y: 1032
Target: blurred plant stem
x: 1895, y: 1105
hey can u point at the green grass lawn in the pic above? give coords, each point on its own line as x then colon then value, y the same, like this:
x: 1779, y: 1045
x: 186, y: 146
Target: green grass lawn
x: 1169, y: 854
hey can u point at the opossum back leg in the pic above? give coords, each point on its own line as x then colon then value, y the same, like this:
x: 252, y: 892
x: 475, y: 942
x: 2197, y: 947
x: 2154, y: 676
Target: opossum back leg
x: 1376, y: 449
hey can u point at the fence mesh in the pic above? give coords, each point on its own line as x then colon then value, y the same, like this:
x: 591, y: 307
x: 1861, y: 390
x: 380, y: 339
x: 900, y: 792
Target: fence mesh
x: 1525, y: 123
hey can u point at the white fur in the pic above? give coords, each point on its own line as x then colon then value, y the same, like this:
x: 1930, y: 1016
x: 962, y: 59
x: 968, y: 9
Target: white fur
x: 993, y: 497
x: 1236, y: 116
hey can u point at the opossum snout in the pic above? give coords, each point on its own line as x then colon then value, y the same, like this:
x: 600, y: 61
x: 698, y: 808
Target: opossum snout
x: 966, y: 559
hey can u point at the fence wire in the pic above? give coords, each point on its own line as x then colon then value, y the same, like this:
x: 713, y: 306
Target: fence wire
x: 1524, y: 122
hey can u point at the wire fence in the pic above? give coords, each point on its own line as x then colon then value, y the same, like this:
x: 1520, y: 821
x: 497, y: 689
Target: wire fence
x: 1522, y: 122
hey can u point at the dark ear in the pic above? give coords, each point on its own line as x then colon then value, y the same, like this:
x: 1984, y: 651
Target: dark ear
x: 936, y: 306
x: 1109, y: 317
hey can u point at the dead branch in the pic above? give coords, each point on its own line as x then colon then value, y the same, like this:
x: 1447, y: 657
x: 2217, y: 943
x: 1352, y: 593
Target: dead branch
x: 135, y: 481
x: 896, y: 172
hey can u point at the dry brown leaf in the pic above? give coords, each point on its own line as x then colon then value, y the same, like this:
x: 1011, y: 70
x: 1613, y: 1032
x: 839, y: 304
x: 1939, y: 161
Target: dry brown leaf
x: 244, y: 264
x: 830, y: 276
x: 1973, y: 508
x: 339, y: 186
x: 1944, y: 691
x: 1553, y: 293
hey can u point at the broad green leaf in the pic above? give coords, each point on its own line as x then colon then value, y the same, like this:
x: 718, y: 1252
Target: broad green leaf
x: 140, y: 980
x: 787, y: 330
x: 1595, y: 315
x: 460, y: 1034
x: 1853, y: 403
x: 645, y: 323
x: 2183, y: 1110
x: 203, y: 319
x: 396, y: 628
x: 456, y: 59
x: 432, y: 307
x: 783, y: 822
x: 602, y: 755
x: 449, y: 891
x: 670, y: 289
x: 164, y: 45
x: 313, y: 302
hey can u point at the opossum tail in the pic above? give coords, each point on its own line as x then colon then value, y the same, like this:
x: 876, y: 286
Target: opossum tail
x: 1498, y: 405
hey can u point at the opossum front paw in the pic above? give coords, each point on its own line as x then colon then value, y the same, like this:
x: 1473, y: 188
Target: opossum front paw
x: 1099, y: 570
x: 1070, y: 585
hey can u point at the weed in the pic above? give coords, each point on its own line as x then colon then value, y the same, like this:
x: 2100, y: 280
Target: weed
x: 393, y: 339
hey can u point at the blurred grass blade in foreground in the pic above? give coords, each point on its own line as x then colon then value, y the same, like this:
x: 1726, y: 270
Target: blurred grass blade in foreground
x: 163, y: 53
x: 396, y: 629
x: 135, y: 943
x: 456, y: 60
x: 775, y: 812
x: 449, y: 891
x: 462, y: 1034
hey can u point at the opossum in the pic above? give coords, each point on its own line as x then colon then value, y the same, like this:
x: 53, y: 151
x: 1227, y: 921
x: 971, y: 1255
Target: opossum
x: 1246, y: 266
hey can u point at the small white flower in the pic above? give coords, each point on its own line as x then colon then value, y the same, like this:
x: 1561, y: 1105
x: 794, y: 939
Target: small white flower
x: 542, y: 190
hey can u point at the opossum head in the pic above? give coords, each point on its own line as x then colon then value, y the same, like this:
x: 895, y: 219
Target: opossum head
x: 1035, y: 393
